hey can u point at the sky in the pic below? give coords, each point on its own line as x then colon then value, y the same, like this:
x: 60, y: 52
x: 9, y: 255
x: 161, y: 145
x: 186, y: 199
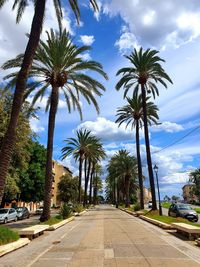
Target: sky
x: 173, y: 28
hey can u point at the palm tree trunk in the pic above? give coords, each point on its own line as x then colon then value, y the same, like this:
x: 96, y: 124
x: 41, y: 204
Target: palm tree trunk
x: 9, y: 138
x: 49, y: 175
x: 127, y: 187
x: 80, y: 177
x: 86, y: 183
x: 148, y: 151
x: 139, y: 166
x: 91, y: 182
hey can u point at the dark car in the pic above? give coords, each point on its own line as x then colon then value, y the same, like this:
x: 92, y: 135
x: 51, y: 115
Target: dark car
x: 39, y: 211
x: 22, y: 213
x: 184, y: 211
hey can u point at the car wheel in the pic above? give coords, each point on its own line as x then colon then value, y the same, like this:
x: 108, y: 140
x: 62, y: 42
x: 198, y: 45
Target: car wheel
x: 5, y: 220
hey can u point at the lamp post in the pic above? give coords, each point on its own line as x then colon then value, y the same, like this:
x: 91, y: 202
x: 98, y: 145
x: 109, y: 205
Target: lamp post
x: 156, y: 172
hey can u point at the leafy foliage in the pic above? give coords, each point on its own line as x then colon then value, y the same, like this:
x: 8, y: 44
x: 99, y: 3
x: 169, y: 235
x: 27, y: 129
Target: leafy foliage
x: 68, y: 189
x: 65, y: 211
x: 7, y: 235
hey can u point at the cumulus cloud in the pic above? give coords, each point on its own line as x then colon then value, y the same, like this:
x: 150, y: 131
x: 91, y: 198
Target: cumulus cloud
x: 108, y: 130
x: 166, y: 24
x: 87, y: 39
x: 127, y: 41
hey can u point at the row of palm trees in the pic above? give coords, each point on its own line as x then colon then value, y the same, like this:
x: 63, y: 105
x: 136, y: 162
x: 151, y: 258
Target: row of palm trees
x: 57, y: 64
x: 122, y: 175
x: 88, y: 150
x: 141, y: 78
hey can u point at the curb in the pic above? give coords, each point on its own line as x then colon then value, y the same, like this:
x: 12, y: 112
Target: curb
x: 80, y: 213
x: 57, y: 225
x: 4, y: 249
x: 162, y: 225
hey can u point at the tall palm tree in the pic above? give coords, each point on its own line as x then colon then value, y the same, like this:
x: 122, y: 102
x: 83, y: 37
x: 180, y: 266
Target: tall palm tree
x: 77, y: 147
x: 123, y: 167
x: 20, y: 87
x: 58, y: 65
x: 145, y: 72
x: 132, y: 114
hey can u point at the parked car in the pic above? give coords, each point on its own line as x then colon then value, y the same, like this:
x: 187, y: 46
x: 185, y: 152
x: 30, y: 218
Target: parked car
x: 22, y: 213
x: 184, y: 211
x: 7, y: 215
x: 150, y: 204
x: 39, y: 211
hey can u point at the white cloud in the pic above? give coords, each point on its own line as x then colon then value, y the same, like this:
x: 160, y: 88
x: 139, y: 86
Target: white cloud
x: 108, y: 130
x: 175, y: 178
x: 86, y: 56
x: 36, y: 125
x: 167, y: 126
x: 127, y: 41
x: 87, y: 39
x: 169, y: 23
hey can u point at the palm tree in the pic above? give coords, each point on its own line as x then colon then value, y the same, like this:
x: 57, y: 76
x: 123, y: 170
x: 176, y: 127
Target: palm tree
x: 194, y: 177
x: 144, y: 73
x: 20, y: 87
x: 77, y: 147
x: 58, y: 65
x: 132, y: 114
x: 122, y: 167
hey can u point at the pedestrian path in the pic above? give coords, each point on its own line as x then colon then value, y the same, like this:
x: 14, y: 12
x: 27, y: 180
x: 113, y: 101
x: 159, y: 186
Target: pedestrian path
x: 105, y: 237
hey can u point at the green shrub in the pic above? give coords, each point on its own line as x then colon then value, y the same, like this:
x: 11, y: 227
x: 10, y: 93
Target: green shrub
x: 7, y: 235
x: 65, y: 211
x: 78, y: 208
x: 137, y: 207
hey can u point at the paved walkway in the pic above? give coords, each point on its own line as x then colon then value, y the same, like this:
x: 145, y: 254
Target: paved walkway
x: 105, y: 237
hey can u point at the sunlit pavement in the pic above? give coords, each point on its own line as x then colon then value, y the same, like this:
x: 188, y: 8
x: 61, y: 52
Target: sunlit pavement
x: 105, y: 237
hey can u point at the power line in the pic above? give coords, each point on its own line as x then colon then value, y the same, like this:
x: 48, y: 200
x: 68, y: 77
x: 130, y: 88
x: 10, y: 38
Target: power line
x: 178, y: 140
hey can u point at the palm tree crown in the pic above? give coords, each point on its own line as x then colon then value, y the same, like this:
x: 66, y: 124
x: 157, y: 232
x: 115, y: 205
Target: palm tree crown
x: 58, y: 64
x: 146, y: 71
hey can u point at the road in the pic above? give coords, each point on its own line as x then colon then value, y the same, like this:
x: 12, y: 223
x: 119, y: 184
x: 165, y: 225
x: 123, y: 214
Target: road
x: 106, y: 237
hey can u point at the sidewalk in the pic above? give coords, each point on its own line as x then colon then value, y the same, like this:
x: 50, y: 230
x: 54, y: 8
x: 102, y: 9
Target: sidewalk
x: 105, y: 237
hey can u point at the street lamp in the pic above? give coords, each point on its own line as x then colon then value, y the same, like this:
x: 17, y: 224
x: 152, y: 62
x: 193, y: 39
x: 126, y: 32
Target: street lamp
x: 156, y: 172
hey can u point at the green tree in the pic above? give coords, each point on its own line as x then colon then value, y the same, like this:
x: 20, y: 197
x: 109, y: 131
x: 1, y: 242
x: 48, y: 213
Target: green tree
x: 58, y: 65
x: 132, y: 114
x: 20, y: 87
x: 68, y: 189
x: 195, y: 178
x: 145, y: 72
x: 32, y: 180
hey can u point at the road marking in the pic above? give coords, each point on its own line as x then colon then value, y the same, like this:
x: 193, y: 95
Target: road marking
x: 46, y: 250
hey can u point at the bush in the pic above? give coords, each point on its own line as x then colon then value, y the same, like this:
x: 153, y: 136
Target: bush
x: 65, y: 211
x: 78, y: 208
x: 137, y: 207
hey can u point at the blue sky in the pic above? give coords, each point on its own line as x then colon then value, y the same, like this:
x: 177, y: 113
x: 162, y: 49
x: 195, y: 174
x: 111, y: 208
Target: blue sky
x: 173, y: 27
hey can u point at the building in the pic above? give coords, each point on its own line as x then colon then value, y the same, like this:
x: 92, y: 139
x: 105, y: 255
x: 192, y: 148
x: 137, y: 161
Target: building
x: 147, y: 195
x: 188, y: 196
x: 58, y: 171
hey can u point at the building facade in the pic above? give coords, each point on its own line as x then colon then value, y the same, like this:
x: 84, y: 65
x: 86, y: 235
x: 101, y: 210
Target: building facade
x: 146, y: 193
x: 58, y: 171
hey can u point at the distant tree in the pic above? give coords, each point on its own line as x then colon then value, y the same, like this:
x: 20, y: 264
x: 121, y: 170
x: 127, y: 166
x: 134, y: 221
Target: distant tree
x: 195, y: 178
x: 166, y: 198
x: 175, y: 198
x: 68, y: 188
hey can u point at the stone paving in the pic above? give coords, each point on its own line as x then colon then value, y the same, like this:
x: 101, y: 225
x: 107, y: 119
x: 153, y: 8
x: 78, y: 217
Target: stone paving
x: 105, y: 237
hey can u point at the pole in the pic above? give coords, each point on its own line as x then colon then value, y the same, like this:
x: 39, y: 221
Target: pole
x: 160, y: 208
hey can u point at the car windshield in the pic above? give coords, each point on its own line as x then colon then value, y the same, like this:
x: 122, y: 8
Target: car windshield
x: 3, y: 211
x: 19, y: 209
x: 184, y: 207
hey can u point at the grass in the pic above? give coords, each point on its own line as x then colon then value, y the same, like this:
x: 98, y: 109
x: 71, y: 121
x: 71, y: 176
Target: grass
x: 53, y: 220
x: 167, y: 219
x: 7, y: 235
x: 197, y: 210
x: 166, y: 205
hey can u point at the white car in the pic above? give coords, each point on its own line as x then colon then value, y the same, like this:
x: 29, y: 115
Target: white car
x: 7, y: 215
x: 150, y: 204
